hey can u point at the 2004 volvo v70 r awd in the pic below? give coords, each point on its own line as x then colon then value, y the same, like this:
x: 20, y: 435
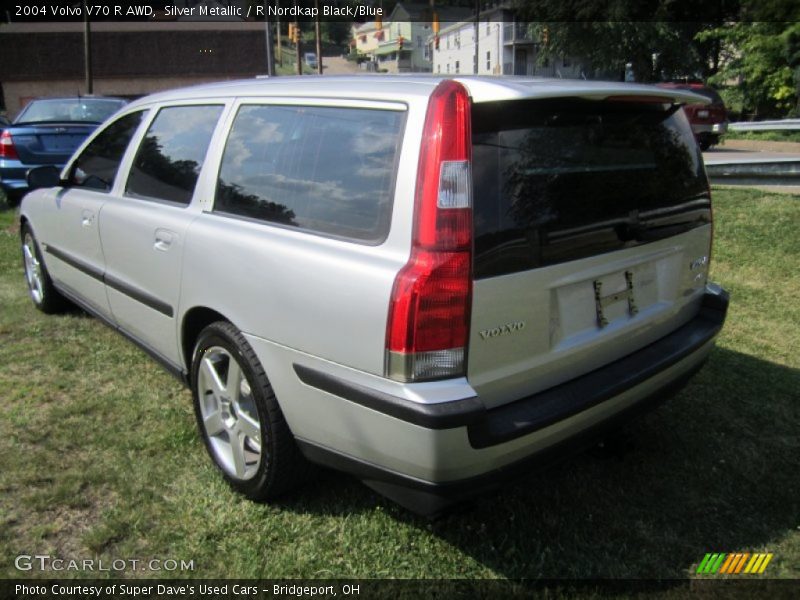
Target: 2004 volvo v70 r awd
x: 427, y: 282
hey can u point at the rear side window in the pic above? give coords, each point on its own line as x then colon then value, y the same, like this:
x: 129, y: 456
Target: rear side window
x: 172, y: 152
x: 323, y: 169
x: 96, y: 167
x: 560, y: 180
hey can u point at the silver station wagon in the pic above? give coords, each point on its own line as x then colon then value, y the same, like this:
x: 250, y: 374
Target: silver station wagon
x: 429, y: 283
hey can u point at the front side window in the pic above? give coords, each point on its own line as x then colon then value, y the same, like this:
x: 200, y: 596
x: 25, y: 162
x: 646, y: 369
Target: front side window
x: 172, y: 152
x: 97, y: 166
x: 323, y: 169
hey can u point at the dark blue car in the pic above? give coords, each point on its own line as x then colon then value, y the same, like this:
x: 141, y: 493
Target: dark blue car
x: 47, y: 132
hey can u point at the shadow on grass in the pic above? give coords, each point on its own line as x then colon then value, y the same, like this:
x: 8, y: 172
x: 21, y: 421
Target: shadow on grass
x: 712, y: 470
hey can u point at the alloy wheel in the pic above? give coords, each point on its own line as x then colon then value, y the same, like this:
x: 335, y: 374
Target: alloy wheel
x: 229, y: 414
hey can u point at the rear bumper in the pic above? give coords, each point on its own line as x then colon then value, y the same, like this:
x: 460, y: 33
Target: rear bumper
x: 12, y: 175
x: 706, y: 128
x: 474, y: 448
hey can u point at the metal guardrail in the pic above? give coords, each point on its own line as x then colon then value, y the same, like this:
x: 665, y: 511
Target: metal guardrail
x: 782, y: 125
x: 767, y: 171
x: 753, y: 170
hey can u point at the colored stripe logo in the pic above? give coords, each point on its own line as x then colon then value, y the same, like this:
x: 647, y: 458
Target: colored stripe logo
x: 733, y: 564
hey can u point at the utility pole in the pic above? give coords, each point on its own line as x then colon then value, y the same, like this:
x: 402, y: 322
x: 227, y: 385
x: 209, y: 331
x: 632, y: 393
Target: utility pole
x: 319, y: 37
x: 477, y: 59
x: 87, y: 50
x: 268, y: 39
x: 278, y: 32
x: 298, y: 47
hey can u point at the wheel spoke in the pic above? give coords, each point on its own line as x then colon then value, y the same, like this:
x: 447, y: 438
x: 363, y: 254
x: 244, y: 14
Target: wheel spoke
x: 233, y: 380
x: 237, y: 451
x: 209, y: 378
x: 250, y: 427
x: 213, y: 423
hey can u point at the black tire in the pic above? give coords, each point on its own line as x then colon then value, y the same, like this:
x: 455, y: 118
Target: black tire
x: 45, y: 296
x: 282, y: 467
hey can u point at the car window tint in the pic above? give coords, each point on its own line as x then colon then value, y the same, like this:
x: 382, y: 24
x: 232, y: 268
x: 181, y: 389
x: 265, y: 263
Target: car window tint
x: 96, y: 167
x: 324, y: 169
x: 172, y: 152
x: 565, y: 179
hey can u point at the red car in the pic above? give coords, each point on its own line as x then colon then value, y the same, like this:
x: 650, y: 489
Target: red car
x: 708, y: 121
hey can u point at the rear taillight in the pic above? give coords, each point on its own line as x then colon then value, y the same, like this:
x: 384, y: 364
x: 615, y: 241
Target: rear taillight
x: 7, y: 149
x: 429, y: 313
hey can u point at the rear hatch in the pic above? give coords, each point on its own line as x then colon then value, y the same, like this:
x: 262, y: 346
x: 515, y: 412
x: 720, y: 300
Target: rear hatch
x: 592, y: 229
x: 48, y: 143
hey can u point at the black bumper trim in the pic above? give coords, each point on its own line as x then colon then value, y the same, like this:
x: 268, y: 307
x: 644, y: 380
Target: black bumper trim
x: 431, y: 498
x: 444, y: 415
x: 555, y: 404
x: 521, y: 417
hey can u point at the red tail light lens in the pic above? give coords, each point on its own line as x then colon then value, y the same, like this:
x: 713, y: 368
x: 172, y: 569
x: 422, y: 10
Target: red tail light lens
x: 428, y: 326
x: 7, y: 149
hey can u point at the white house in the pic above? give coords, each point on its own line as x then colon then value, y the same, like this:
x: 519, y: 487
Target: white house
x: 401, y: 43
x: 504, y: 47
x: 367, y: 36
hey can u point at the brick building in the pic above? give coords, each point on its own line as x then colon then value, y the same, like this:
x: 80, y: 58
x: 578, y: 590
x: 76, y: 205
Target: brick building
x: 129, y: 59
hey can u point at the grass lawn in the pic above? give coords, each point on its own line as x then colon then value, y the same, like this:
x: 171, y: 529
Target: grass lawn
x: 99, y: 456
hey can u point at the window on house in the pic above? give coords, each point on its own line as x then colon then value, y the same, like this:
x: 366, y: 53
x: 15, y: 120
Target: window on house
x: 488, y: 61
x: 448, y: 67
x: 458, y: 66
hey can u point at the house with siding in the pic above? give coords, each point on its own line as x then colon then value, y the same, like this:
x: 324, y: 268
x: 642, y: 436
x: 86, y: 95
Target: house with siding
x: 400, y: 44
x: 505, y: 46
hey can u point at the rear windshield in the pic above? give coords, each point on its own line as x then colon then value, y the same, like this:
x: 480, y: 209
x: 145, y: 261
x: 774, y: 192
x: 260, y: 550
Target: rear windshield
x: 80, y: 110
x: 708, y: 93
x: 560, y: 180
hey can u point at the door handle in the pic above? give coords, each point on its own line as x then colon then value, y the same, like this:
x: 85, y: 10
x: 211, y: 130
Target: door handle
x: 163, y: 240
x: 87, y: 218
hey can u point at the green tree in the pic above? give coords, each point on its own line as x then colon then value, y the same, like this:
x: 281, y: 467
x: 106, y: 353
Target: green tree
x: 760, y: 73
x: 336, y: 32
x: 658, y: 38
